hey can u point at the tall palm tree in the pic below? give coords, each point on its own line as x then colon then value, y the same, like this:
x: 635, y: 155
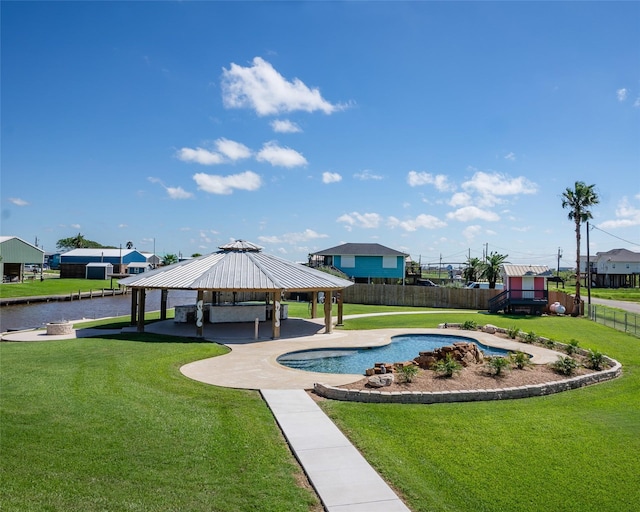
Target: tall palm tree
x: 491, y: 270
x: 579, y: 199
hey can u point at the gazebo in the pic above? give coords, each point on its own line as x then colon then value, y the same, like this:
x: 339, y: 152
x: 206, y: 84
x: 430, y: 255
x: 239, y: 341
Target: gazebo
x: 237, y: 267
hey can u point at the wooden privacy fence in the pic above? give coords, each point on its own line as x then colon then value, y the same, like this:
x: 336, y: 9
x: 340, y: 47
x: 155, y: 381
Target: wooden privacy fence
x: 433, y: 297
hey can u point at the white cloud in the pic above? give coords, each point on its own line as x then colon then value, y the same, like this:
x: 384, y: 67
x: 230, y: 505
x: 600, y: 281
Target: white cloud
x: 174, y: 192
x: 76, y: 226
x: 199, y: 156
x: 440, y: 181
x: 285, y: 126
x: 292, y: 238
x: 637, y: 102
x: 277, y: 155
x: 492, y: 186
x: 178, y: 193
x: 261, y: 88
x: 232, y: 150
x: 227, y: 150
x: 460, y: 199
x: 18, y: 202
x: 627, y: 216
x: 331, y: 177
x: 421, y: 221
x: 468, y: 213
x: 225, y: 185
x: 367, y: 175
x: 471, y: 232
x: 622, y: 94
x: 510, y: 156
x: 361, y: 220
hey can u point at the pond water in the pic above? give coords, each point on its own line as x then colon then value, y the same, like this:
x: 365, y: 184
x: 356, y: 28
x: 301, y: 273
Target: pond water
x: 28, y: 316
x: 357, y: 360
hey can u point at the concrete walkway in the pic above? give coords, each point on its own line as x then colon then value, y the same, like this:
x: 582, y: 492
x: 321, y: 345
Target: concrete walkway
x: 343, y: 479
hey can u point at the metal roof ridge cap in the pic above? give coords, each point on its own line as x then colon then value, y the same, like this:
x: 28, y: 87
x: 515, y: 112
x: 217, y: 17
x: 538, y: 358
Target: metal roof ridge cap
x: 270, y: 276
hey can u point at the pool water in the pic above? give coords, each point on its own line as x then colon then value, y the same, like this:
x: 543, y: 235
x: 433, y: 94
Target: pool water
x: 357, y: 360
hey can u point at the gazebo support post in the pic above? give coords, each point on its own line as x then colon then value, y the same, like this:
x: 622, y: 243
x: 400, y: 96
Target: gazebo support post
x: 163, y: 303
x: 141, y: 305
x: 275, y: 318
x: 200, y: 314
x: 327, y: 312
x: 314, y: 304
x: 134, y: 307
x: 340, y: 307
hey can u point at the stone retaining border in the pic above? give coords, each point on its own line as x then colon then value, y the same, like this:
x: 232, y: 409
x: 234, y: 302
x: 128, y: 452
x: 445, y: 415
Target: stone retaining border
x: 436, y: 397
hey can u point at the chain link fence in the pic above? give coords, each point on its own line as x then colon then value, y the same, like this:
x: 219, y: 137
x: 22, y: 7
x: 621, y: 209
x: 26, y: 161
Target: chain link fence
x: 620, y: 320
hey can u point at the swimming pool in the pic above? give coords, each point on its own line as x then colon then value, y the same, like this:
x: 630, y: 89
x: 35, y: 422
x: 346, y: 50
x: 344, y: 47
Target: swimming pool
x: 356, y: 360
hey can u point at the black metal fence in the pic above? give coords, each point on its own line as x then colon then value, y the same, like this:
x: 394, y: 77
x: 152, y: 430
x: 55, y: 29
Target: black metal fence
x: 620, y: 320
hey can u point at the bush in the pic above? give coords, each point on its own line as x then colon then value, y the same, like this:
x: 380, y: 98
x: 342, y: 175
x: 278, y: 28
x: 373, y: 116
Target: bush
x: 469, y: 325
x: 530, y: 337
x: 547, y: 342
x: 447, y: 366
x: 520, y: 360
x: 513, y: 332
x: 572, y: 346
x: 565, y: 365
x: 497, y: 364
x: 407, y: 372
x: 595, y: 360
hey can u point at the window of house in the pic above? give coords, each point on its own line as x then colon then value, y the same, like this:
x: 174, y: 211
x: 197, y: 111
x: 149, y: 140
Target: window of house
x: 348, y: 261
x: 389, y: 262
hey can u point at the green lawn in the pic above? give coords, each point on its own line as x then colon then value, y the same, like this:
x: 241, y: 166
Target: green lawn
x: 111, y: 424
x: 34, y: 288
x: 574, y: 451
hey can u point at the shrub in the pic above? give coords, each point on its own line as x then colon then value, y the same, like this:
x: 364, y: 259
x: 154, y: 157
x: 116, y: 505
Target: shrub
x: 530, y: 337
x: 469, y: 325
x: 407, y: 372
x: 547, y: 342
x: 595, y: 360
x: 497, y: 364
x: 513, y: 332
x: 447, y: 366
x: 520, y: 360
x: 572, y: 346
x: 565, y: 365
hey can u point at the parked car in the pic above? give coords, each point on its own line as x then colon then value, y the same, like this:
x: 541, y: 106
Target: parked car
x: 426, y: 282
x: 484, y: 285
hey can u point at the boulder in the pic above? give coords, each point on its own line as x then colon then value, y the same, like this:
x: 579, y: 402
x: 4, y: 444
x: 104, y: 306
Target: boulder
x: 382, y: 380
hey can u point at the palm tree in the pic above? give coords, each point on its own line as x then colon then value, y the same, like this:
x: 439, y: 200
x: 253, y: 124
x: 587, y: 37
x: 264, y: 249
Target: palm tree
x: 578, y: 200
x: 169, y: 259
x: 472, y: 270
x: 491, y: 270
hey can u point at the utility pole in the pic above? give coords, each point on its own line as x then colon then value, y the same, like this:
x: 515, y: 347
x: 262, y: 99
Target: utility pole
x: 588, y: 275
x: 559, y: 256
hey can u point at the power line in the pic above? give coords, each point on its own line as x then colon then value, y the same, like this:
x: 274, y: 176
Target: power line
x: 614, y: 236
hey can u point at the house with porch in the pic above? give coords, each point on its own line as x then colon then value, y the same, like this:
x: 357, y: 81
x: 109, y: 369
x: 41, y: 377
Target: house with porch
x: 525, y: 289
x: 363, y: 263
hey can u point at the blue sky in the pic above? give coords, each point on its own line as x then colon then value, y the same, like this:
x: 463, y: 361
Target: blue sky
x: 437, y: 128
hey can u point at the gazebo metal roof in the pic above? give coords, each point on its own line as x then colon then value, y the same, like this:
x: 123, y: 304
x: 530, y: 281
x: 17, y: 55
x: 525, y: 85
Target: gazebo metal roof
x: 238, y: 266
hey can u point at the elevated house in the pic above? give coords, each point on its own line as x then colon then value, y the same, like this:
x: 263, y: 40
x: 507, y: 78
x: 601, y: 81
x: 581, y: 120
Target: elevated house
x: 525, y: 289
x: 73, y: 263
x: 617, y: 268
x: 363, y: 263
x: 15, y: 255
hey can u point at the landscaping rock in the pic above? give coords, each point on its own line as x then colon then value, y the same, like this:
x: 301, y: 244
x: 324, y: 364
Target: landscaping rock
x: 382, y: 380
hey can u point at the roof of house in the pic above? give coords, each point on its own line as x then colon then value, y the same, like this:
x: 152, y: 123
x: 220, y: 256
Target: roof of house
x: 91, y: 253
x: 237, y: 267
x: 526, y: 270
x: 622, y: 255
x: 353, y: 249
